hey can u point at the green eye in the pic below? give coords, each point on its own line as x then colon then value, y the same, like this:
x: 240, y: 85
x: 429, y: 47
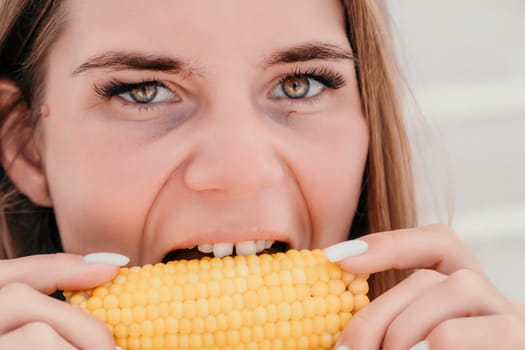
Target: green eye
x: 144, y: 93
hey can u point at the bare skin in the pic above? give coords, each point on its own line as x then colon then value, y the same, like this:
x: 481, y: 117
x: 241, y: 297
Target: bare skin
x: 220, y: 154
x: 449, y: 303
x: 208, y: 147
x: 32, y: 320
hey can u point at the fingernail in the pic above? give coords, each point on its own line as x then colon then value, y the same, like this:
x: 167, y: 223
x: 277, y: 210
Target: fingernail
x: 345, y: 249
x: 118, y: 348
x: 342, y: 347
x: 107, y: 258
x: 421, y: 346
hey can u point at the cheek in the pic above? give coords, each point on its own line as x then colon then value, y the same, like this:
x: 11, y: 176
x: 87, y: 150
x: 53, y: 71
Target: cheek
x: 101, y: 190
x: 331, y: 174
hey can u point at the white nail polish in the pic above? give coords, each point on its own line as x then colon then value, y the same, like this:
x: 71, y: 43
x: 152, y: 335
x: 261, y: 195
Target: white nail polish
x: 118, y: 348
x: 342, y: 347
x: 421, y: 346
x: 345, y: 249
x: 107, y: 258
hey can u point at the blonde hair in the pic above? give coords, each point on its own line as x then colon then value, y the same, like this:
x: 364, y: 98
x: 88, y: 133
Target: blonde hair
x: 387, y: 200
x: 389, y: 182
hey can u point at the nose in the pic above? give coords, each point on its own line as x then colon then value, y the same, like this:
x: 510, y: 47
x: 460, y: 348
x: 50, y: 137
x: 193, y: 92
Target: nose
x: 236, y: 155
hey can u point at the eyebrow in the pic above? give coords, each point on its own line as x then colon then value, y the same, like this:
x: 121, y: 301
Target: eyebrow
x: 308, y: 52
x: 125, y: 60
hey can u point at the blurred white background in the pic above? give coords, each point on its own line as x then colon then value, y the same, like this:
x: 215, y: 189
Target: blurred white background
x: 465, y: 63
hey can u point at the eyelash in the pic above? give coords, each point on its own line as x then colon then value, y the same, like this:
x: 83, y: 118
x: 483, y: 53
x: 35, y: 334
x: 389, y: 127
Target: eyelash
x: 116, y: 87
x: 326, y: 76
x: 329, y: 78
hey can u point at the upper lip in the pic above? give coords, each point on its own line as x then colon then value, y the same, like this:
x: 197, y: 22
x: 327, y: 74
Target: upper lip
x: 227, y: 236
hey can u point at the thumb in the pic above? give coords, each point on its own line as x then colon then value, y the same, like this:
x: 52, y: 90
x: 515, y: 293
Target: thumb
x: 49, y: 272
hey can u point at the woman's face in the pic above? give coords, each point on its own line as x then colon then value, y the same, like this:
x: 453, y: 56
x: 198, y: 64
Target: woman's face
x: 184, y: 123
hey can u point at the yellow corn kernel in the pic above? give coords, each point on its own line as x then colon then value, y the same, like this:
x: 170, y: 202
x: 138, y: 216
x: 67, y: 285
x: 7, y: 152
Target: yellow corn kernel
x: 292, y: 300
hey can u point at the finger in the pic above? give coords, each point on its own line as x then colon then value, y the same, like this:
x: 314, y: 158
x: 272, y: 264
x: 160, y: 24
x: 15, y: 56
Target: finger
x: 520, y: 307
x: 503, y: 332
x: 35, y: 335
x: 432, y: 247
x: 463, y: 294
x: 49, y: 272
x: 21, y: 305
x: 368, y: 327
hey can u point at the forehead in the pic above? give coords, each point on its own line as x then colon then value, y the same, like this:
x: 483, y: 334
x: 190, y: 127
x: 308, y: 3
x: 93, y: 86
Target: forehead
x: 201, y: 28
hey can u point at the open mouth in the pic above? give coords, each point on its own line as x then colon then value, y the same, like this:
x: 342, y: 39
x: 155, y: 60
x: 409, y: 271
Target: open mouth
x: 227, y: 249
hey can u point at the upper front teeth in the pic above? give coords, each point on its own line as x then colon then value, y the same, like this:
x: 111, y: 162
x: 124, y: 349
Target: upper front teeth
x: 241, y: 248
x: 205, y: 248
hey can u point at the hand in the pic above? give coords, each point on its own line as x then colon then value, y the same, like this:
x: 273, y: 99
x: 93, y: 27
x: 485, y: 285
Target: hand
x: 449, y: 303
x: 30, y: 319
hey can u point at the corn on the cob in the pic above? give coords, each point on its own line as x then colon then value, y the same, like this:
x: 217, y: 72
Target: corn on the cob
x: 292, y: 300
